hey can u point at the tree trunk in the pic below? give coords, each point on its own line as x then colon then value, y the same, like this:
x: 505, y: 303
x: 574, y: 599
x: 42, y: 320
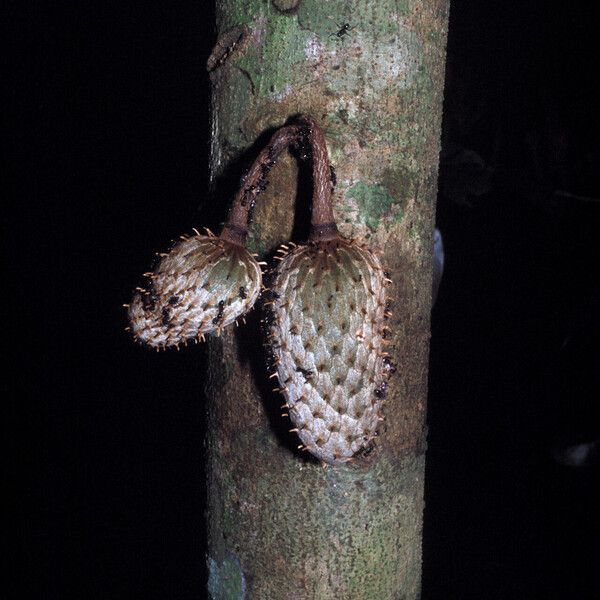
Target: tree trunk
x: 280, y: 525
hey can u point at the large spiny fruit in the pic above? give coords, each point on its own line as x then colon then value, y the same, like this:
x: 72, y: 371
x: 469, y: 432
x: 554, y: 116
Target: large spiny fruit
x: 202, y: 284
x: 327, y: 336
x: 205, y: 283
x: 327, y: 330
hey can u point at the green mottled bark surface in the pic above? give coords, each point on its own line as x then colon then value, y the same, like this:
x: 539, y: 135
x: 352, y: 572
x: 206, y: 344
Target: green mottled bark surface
x: 280, y: 525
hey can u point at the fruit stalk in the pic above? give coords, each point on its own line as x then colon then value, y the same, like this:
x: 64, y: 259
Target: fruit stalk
x: 235, y: 229
x: 322, y: 225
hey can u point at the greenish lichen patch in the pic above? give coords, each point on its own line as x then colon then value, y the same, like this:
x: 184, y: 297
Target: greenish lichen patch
x: 270, y: 64
x: 236, y: 12
x: 287, y: 7
x: 277, y: 44
x: 226, y: 582
x: 373, y: 202
x: 323, y: 18
x: 237, y: 107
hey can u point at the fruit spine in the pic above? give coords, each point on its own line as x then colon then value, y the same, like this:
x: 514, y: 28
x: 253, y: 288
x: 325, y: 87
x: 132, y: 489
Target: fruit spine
x: 204, y: 283
x: 327, y: 329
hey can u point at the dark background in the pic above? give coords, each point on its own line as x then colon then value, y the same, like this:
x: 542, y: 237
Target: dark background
x: 112, y: 163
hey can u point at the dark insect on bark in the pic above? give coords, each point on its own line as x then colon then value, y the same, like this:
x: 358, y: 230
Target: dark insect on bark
x: 344, y: 30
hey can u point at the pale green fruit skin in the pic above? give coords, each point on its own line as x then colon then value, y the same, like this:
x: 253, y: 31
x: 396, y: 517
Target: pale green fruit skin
x: 327, y: 338
x: 201, y: 285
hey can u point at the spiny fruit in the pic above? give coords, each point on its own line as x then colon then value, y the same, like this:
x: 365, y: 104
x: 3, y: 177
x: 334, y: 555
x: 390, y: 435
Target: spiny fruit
x: 327, y: 336
x: 327, y: 330
x: 205, y: 282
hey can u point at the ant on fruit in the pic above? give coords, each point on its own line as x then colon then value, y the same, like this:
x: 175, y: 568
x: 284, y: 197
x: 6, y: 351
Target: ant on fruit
x: 219, y: 316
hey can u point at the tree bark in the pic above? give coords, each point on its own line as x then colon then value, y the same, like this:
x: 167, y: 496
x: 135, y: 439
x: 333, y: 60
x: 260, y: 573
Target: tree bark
x: 281, y: 526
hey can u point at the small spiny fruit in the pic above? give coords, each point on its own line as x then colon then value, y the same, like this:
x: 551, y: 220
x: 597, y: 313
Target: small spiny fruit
x: 202, y: 284
x: 327, y: 331
x: 205, y: 283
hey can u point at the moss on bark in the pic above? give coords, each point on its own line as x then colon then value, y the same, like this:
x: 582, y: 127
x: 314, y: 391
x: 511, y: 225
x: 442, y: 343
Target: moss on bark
x: 281, y: 526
